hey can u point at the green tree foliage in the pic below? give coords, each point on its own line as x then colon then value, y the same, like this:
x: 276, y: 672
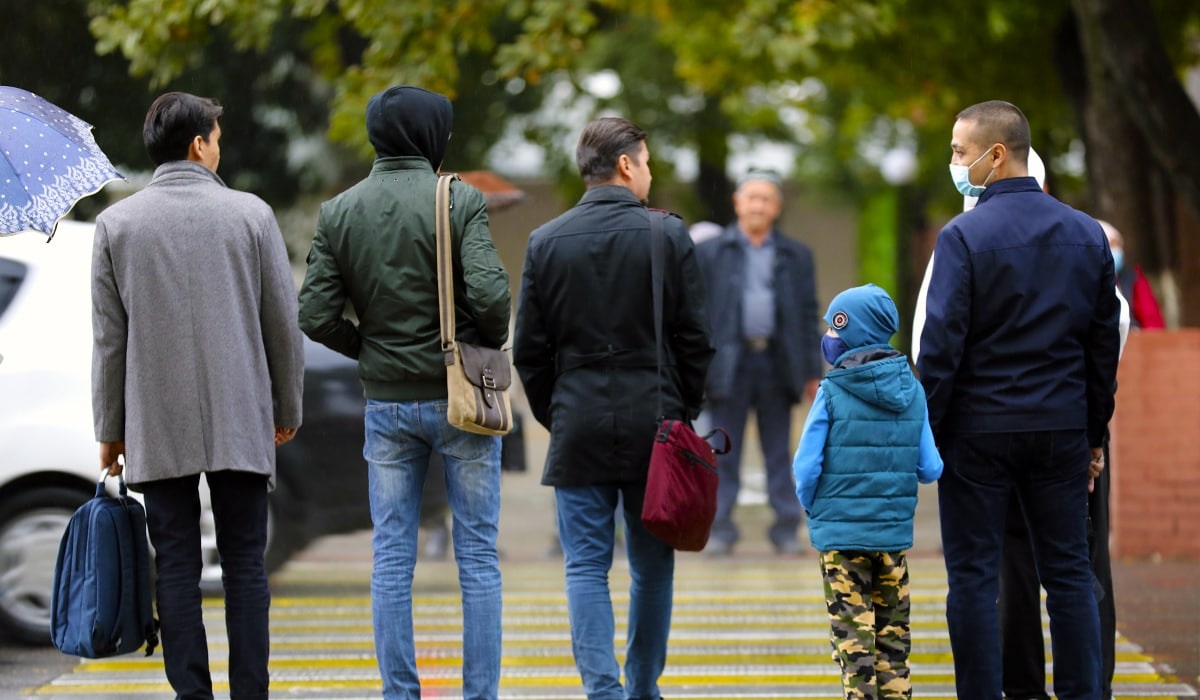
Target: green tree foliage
x: 48, y: 51
x: 705, y: 52
x: 888, y: 73
x: 917, y: 60
x: 66, y: 72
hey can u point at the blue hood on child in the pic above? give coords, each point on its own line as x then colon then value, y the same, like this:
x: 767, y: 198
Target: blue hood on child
x: 865, y: 318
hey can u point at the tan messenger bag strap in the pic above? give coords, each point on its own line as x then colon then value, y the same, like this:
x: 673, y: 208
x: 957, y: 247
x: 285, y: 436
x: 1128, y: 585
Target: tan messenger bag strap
x: 445, y: 259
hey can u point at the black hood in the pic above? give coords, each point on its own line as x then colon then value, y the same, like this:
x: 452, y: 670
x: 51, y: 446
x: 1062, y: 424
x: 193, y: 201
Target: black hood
x: 410, y: 121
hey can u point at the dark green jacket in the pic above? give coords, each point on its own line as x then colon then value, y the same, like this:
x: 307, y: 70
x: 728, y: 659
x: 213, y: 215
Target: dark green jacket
x: 375, y: 247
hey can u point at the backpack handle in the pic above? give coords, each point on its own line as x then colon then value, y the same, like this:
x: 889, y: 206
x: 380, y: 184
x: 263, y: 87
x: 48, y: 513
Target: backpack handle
x: 121, y: 488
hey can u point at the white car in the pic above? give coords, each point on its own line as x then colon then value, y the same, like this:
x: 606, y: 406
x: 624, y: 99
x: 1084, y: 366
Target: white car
x: 49, y: 458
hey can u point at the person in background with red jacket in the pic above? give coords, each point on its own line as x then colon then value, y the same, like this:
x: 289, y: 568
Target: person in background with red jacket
x: 1144, y: 310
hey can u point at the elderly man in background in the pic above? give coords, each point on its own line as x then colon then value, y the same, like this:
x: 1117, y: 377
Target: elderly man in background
x: 763, y: 310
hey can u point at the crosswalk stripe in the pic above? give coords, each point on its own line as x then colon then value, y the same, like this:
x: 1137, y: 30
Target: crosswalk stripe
x: 754, y: 631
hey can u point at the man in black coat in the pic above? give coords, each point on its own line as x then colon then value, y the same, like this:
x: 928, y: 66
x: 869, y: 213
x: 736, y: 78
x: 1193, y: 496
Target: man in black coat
x: 585, y: 350
x: 763, y: 309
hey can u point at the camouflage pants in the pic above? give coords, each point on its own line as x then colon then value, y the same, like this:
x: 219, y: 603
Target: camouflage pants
x: 867, y: 595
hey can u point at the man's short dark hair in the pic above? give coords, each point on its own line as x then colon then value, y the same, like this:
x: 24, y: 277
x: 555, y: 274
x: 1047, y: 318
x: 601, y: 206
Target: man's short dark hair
x: 602, y: 144
x: 173, y: 121
x: 997, y: 121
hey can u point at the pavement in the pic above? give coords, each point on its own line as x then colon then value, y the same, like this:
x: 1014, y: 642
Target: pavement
x: 751, y: 625
x: 1158, y: 601
x: 1158, y: 606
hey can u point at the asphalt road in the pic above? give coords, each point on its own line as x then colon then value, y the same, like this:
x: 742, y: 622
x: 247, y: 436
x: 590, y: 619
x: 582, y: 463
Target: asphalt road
x: 1158, y: 608
x: 22, y: 668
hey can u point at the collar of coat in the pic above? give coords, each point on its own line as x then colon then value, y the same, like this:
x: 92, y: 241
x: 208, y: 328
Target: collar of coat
x: 1009, y: 184
x: 383, y: 165
x: 733, y: 236
x: 184, y: 170
x: 608, y: 193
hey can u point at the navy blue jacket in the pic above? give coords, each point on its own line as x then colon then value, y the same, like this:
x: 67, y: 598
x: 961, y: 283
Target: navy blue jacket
x: 797, y: 347
x: 1021, y: 330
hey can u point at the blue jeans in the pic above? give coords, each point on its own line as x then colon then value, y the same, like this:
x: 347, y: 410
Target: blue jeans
x: 239, y: 504
x: 399, y: 440
x: 1049, y: 472
x: 757, y: 386
x: 586, y: 525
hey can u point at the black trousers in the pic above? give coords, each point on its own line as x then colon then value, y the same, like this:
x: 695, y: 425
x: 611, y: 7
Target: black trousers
x: 1020, y: 599
x: 239, y: 504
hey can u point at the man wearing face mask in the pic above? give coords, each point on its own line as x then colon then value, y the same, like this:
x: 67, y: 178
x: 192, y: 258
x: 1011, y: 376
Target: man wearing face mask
x: 375, y: 248
x: 1020, y: 593
x: 1037, y: 170
x: 1143, y: 306
x: 1018, y: 360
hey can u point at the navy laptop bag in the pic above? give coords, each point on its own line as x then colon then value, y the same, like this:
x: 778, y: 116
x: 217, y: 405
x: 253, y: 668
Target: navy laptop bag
x: 101, y: 600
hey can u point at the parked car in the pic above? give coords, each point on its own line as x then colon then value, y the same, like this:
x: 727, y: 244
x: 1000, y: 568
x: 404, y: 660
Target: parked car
x: 48, y: 453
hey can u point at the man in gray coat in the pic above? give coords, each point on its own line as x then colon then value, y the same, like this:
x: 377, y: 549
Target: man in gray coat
x: 197, y: 367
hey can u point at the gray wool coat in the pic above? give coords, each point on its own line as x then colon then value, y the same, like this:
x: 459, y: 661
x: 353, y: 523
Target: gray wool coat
x: 197, y: 355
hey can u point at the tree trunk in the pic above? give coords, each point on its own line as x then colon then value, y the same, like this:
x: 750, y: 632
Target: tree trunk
x: 714, y: 192
x: 1189, y: 267
x: 1130, y: 47
x: 1116, y: 154
x: 1131, y: 80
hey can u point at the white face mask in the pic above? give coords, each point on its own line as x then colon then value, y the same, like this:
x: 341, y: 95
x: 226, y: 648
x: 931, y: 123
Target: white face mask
x: 961, y: 174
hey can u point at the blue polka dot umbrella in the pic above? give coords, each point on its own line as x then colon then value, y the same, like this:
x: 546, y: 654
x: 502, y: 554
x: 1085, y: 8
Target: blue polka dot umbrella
x: 48, y: 162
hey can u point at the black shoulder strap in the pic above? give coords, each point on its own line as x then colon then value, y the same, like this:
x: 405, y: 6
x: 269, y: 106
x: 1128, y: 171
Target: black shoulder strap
x: 657, y: 253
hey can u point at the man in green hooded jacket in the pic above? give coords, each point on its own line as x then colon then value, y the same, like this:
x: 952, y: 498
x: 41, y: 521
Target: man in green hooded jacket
x: 375, y: 247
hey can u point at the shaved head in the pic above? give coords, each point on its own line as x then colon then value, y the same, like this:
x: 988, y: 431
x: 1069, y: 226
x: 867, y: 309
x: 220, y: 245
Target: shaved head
x: 999, y: 122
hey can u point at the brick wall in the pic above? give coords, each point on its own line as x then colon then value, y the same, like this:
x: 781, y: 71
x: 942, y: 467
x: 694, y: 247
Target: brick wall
x: 1156, y: 447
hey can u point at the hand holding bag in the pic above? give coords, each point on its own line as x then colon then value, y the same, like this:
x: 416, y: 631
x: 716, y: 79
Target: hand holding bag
x: 100, y: 601
x: 681, y: 486
x: 477, y: 377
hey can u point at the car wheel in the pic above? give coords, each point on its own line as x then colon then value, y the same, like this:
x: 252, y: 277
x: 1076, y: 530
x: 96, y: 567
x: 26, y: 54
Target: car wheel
x: 283, y: 540
x: 32, y: 524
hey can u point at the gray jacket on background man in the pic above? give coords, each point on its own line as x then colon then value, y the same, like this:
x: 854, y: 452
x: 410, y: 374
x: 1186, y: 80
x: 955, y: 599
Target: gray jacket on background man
x: 797, y: 353
x: 196, y: 363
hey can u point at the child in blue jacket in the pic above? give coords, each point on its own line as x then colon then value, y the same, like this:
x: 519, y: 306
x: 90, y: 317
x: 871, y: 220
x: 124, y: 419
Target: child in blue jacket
x: 866, y: 444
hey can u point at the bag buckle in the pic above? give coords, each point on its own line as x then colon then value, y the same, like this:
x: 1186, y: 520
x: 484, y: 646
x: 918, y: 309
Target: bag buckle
x: 489, y: 381
x: 664, y: 431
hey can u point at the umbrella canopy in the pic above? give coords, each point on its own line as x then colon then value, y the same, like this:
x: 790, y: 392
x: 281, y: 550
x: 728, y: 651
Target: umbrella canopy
x: 48, y: 162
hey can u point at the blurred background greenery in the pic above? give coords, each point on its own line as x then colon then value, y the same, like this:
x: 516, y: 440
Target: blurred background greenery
x: 852, y: 99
